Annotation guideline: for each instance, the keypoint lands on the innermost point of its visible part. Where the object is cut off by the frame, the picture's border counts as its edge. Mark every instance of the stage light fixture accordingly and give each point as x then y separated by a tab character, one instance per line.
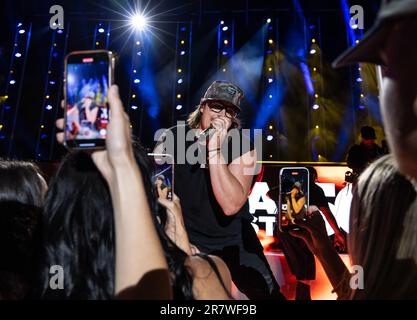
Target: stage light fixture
48	107
60	31
359	79
178	96
134	108
101	30
22	31
222	22
270	127
270	96
314	69
355	26
18	55
269	69
312	51
269	137
136	81
226	42
270	80
317	127
182	53
180	81
316	106
316	96
268	20
139	21
225	28
179	107
137	43
179	70
12	81
271	41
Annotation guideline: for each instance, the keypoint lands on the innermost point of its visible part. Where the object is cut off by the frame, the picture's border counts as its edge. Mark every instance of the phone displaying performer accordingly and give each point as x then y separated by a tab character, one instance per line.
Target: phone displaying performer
293	197
88	76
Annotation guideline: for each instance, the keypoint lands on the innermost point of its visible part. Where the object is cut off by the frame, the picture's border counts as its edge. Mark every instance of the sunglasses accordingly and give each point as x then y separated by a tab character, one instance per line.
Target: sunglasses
218	107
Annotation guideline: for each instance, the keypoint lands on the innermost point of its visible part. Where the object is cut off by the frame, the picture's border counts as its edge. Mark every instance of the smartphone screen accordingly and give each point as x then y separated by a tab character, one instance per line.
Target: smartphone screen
294	185
87	79
162	175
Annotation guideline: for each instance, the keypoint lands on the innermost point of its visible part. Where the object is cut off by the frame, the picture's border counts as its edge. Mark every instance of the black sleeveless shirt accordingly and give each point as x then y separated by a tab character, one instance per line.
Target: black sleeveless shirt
206	224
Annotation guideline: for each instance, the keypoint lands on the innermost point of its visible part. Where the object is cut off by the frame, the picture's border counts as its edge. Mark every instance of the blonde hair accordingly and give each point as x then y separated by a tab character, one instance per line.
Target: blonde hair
194	118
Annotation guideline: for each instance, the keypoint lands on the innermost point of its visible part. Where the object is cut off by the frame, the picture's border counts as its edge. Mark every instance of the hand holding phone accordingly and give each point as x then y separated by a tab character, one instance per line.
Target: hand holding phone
88	77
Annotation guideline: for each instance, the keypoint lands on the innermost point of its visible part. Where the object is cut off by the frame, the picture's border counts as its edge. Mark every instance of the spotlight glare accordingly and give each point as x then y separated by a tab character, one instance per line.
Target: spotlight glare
224	70
313	40
269	137
137	43
225	28
136	81
268	20
22	31
222	22
12	81
179	81
359	79
271	41
139	22
226	42
18	55
270	96
19	24
355	26
182	53
317	127
270	80
101	30
60	31
134	107
270	127
361	107
179	107
48	107
316	106
178	96
316	95
312	51
179	70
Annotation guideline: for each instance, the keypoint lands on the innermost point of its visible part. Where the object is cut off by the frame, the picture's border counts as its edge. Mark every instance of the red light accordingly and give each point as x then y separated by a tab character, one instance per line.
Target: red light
87	60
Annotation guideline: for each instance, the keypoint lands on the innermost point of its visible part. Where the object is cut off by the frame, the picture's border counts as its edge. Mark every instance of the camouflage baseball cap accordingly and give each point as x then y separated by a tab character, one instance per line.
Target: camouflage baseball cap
224	91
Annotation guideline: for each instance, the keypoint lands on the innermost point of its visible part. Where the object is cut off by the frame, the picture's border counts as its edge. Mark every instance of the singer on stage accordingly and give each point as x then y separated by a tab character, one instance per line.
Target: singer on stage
214	192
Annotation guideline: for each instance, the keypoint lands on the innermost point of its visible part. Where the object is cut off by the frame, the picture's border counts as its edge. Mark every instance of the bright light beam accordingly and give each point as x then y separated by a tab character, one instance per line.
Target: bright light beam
139	22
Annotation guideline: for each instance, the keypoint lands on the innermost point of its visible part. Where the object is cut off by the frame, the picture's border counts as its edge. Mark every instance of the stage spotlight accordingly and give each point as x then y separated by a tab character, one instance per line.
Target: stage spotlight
362	95
134	107
316	106
270	96
226	42
48	107
139	22
22	31
101	30
357	41
270	80
179	81
60	31
136	81
225	28
312	51
355	26
179	107
18	55
314	69
269	137
178	96
271	41
222	22
182	53
179	70
19	24
359	79
137	43
361	107
12	81
224	70
316	95
269	69
182	41
268	20
271	127
317	127
224	53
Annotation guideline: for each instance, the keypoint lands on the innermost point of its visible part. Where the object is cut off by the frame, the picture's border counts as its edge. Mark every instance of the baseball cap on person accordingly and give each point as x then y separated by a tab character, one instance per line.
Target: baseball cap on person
368	49
224	91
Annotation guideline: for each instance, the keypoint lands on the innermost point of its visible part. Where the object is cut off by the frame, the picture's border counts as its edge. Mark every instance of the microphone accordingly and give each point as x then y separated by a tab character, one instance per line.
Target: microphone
206	133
